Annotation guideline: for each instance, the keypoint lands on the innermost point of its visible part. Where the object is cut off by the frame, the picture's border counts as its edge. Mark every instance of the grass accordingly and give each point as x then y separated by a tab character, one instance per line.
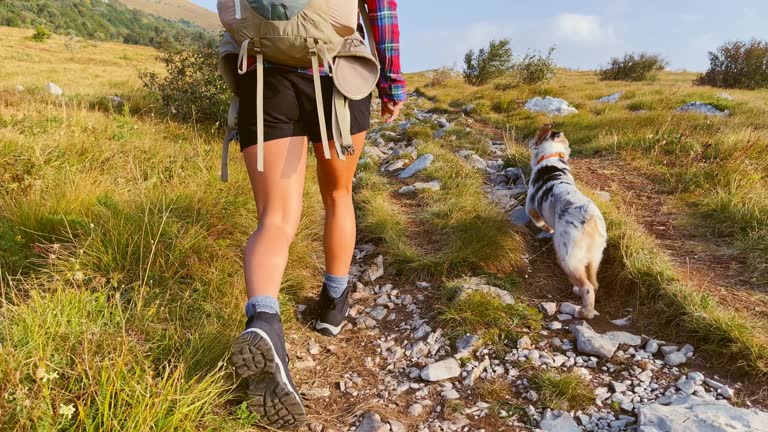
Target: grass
443	233
482	314
716	166
562	390
120	268
636	261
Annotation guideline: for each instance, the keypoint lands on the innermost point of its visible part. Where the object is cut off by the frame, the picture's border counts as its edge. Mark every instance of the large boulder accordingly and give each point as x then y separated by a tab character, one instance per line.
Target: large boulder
691	414
591	342
550	105
442	370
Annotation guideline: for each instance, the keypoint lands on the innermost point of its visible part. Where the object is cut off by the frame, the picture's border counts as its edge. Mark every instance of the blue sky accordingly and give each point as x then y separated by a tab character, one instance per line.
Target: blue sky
586	32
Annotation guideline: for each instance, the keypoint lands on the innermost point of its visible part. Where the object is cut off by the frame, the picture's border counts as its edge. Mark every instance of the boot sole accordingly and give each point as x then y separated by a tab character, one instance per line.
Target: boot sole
270	395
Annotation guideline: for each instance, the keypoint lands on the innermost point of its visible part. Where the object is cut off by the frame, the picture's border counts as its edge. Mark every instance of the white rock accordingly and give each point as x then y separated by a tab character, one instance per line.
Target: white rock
555	325
548	308
687	350
19	88
442	370
466	344
570	309
396	426
703	108
418	165
433	185
405	190
685	385
675	359
699	416
524	343
726	391
652	346
590	342
450	394
725	96
558	421
669	349
371	423
550	105
623	322
624	338
376	270
612	98
618	387
478	284
54	89
415	410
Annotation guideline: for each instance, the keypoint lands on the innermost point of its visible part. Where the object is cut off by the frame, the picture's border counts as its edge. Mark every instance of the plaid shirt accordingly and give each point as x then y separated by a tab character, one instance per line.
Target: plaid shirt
386	33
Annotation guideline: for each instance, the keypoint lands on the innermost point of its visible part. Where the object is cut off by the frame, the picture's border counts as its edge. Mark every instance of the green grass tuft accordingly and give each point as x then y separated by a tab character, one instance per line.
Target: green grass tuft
559	390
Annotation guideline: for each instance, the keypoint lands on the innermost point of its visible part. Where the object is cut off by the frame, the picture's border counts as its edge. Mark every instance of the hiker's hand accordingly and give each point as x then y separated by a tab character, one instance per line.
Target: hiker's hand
391	110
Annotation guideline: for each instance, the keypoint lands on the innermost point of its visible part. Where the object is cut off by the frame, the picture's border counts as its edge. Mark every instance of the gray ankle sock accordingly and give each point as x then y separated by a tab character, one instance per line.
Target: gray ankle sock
336	284
262	304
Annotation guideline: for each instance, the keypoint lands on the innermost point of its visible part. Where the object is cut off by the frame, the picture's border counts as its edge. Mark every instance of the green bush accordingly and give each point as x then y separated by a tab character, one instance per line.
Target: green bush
42	34
633	67
488	63
192	88
536	68
738	64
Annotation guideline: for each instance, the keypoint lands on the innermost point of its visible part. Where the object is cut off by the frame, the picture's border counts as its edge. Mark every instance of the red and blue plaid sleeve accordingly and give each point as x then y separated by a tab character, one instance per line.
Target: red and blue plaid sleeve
386	34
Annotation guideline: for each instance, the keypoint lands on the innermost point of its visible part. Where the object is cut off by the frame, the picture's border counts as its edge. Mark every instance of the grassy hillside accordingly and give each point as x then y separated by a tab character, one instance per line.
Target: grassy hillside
178	10
120	273
103	21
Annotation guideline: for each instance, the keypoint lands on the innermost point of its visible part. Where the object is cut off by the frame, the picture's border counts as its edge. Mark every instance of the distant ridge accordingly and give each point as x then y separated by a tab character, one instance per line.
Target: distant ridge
178	10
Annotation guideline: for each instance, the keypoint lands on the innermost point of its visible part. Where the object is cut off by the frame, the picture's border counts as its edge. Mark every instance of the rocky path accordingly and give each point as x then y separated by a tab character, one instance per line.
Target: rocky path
394	369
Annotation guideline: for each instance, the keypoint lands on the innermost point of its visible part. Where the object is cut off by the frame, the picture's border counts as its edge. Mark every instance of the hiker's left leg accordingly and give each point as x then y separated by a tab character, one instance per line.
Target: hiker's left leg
335	180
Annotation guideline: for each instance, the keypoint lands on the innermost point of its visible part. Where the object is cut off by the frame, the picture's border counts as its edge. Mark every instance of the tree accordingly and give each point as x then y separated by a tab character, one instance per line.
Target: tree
488	63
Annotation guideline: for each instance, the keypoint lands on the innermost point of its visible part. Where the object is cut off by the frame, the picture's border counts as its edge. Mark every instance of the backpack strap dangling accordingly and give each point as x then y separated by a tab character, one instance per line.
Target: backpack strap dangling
313	53
259	105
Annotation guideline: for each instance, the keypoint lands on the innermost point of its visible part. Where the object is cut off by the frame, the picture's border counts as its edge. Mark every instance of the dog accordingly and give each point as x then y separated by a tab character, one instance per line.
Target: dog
556	205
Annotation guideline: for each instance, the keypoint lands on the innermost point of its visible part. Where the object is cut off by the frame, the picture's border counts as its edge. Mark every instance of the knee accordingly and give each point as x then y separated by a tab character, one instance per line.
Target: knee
341	195
282	228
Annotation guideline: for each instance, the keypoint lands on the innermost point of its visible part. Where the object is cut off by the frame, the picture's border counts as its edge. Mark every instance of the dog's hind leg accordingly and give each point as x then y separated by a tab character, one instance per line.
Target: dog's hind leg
584	288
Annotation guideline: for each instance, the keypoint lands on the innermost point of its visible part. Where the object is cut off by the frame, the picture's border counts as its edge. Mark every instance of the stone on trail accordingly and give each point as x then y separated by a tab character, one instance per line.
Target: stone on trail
405	190
558	421
519	216
652	346
570	309
624	338
622	322
589	341
469	109
478	284
433	185
703	108
418	165
55	90
548	308
691	414
612	98
376	270
396	426
550	105
675	358
442	370
466	344
372	423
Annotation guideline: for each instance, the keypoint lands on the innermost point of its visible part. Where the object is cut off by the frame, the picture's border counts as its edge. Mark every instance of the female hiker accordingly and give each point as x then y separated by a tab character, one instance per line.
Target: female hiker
290	119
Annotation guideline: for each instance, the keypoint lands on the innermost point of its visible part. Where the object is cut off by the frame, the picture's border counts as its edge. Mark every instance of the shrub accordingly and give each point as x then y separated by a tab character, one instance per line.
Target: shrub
633	67
738	64
42	34
192	88
488	63
441	76
535	68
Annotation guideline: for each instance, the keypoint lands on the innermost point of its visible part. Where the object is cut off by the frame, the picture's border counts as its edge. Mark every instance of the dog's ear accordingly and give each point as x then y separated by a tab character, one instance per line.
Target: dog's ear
543	134
559	137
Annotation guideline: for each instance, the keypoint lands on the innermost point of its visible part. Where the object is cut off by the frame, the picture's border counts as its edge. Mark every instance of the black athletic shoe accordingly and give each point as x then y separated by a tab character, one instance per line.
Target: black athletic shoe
333	312
259	355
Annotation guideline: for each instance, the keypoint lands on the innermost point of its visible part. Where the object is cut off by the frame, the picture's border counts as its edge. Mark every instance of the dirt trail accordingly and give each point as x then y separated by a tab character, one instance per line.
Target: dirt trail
704	261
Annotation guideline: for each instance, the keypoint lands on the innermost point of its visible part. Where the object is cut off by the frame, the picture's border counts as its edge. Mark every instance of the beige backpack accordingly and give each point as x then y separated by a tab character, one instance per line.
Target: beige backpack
300	33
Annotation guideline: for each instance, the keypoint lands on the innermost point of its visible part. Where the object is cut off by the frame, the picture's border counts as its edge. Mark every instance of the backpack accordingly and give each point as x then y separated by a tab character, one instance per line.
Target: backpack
300	33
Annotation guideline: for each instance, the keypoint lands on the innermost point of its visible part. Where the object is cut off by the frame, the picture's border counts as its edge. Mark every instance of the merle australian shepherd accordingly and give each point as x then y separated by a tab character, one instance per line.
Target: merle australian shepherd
556	206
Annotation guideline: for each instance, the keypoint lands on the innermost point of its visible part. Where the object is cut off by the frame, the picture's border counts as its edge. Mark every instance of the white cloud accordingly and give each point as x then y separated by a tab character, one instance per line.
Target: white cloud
583	28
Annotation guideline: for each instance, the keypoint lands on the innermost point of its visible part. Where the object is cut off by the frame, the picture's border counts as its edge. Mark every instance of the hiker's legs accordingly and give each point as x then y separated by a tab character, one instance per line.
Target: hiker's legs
335	179
278	192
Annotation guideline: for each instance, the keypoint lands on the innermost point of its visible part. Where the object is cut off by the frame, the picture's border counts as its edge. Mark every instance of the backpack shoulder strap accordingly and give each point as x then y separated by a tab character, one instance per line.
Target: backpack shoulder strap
368	28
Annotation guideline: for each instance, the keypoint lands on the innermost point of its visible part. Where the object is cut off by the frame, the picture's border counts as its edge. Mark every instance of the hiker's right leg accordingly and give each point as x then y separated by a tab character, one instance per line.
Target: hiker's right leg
278	191
259	353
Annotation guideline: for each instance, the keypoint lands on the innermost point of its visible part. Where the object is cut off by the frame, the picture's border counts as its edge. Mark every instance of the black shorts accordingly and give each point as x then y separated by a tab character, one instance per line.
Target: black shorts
290	109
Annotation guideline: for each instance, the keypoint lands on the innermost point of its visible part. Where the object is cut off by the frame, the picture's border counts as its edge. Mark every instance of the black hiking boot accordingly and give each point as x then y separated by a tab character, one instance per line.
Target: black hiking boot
333	312
259	355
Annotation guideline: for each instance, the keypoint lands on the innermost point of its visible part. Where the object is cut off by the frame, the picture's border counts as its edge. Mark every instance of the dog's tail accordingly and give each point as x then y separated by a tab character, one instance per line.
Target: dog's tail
595	234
